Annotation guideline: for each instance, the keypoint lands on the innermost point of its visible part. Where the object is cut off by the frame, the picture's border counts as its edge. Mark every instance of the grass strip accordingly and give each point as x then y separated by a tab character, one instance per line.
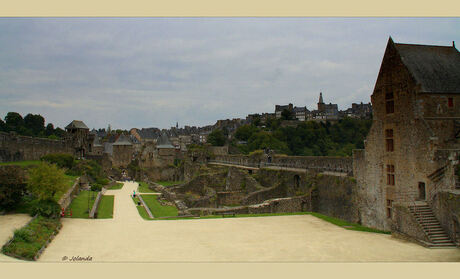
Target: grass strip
144	188
20	163
79	205
28	240
169	183
347	225
117	186
157	209
105	210
141	209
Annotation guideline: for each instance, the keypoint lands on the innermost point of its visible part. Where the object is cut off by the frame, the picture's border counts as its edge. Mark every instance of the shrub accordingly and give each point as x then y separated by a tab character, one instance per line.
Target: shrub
47	208
61	160
96	187
102	181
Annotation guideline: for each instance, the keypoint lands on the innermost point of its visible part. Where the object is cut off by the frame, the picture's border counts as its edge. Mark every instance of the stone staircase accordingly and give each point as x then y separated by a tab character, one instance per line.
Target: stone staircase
431	226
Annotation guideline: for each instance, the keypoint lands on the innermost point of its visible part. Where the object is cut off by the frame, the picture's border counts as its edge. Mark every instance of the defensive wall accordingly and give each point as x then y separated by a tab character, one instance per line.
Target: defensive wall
19	148
318	163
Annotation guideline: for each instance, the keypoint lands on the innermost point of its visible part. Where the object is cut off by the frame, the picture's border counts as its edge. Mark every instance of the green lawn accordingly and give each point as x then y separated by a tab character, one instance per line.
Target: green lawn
157	209
346	225
79	205
20	163
105	210
144	188
117	186
169	183
141	209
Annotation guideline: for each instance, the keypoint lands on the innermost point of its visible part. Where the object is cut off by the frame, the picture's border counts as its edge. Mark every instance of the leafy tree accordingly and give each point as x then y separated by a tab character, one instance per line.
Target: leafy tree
245	132
287	114
14	121
60	159
60	133
12	186
35	123
2	126
46	180
49	130
216	138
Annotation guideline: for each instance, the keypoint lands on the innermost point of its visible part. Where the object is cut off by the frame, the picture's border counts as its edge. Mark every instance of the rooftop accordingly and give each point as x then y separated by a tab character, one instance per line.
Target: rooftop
435	68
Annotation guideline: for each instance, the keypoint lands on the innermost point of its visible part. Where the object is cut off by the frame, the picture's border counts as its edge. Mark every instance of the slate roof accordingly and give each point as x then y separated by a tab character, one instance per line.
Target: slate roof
123	140
163	142
77	124
435	68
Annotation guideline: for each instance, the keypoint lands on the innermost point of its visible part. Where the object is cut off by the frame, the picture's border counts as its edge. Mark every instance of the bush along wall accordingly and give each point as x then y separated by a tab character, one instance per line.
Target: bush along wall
31	240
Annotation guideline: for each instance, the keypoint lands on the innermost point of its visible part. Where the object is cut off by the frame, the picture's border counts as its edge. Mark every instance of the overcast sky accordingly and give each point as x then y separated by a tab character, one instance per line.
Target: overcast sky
152	72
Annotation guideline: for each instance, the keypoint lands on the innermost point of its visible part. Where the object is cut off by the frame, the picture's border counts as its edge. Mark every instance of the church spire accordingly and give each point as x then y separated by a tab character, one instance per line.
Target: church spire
321	98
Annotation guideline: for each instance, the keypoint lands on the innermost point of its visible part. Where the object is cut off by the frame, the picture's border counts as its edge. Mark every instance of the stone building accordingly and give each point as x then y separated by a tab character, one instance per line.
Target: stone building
279	109
412	148
325	111
122	152
81	138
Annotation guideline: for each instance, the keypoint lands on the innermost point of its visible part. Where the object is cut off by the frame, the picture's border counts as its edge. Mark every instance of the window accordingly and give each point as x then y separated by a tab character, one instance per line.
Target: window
389	208
390	175
390	104
389	140
450	102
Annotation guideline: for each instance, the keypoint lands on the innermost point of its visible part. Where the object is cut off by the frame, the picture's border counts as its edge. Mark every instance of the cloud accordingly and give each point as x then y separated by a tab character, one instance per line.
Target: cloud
144	72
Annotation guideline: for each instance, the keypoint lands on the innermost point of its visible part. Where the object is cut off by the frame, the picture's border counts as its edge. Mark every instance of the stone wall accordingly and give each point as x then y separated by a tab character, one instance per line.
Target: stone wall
446	207
336	196
20	148
67	198
403	222
319	163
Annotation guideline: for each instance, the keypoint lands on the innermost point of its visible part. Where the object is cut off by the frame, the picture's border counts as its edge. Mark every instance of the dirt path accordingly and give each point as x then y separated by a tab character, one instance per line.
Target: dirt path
129	238
8	224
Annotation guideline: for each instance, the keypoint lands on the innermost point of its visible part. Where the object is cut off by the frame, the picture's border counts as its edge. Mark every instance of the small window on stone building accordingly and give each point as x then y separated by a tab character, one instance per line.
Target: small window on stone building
389	140
450	102
390	104
389	212
390	175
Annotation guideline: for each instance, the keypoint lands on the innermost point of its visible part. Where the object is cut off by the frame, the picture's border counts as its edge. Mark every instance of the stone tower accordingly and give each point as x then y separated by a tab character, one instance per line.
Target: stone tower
321	105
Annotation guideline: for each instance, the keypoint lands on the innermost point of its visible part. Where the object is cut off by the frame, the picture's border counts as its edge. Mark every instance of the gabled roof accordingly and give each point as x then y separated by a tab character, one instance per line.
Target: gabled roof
163	142
435	68
77	124
123	140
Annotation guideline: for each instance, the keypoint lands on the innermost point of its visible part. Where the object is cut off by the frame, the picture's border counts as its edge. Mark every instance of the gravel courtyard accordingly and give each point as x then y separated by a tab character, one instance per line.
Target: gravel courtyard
300	238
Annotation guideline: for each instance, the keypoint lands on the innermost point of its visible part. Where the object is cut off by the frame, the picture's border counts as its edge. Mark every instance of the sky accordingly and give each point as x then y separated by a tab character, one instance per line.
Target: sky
154	72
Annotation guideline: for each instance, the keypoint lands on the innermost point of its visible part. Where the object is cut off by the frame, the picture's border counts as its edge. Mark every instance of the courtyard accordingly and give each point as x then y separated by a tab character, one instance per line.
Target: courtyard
299	238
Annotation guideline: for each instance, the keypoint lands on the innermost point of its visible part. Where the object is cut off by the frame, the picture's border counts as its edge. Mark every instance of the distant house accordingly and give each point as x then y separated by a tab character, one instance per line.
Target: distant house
301	113
280	108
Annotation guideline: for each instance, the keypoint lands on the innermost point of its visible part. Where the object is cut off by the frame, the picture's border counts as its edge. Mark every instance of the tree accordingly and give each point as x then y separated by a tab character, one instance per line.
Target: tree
287	114
35	123
216	138
60	133
49	130
14	121
2	126
245	132
12	186
45	181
